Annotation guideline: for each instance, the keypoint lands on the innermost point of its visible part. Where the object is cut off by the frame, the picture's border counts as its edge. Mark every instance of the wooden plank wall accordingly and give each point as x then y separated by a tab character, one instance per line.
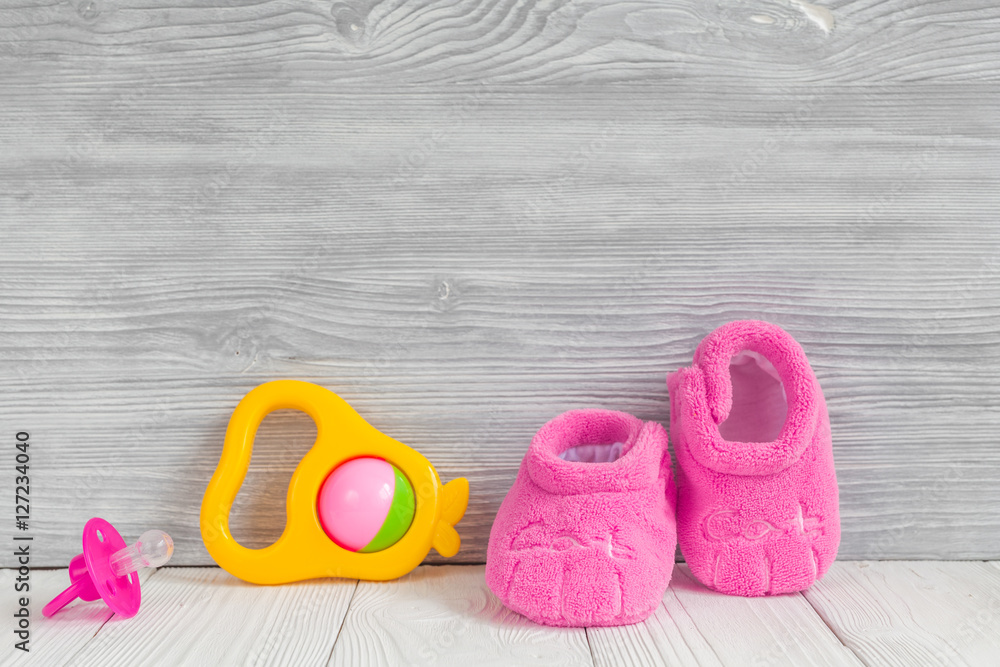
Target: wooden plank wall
466	217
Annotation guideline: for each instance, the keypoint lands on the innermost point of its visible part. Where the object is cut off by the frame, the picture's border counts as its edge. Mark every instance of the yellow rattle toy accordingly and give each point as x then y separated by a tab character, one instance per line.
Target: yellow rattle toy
360	504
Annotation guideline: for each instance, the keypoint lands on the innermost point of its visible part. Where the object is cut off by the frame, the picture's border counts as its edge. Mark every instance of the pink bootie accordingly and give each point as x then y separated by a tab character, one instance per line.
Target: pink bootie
757	506
586	536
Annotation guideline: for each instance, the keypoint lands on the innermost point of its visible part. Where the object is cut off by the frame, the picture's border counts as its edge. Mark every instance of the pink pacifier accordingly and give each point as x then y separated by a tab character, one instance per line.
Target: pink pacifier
107	568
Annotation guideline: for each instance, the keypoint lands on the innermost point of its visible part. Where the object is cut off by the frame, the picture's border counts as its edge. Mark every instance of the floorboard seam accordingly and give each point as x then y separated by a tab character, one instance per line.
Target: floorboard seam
656	645
677	625
833	630
347	611
80	650
695	624
593	660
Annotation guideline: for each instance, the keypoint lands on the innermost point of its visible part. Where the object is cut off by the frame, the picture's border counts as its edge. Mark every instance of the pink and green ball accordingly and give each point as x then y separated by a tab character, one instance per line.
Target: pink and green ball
366	504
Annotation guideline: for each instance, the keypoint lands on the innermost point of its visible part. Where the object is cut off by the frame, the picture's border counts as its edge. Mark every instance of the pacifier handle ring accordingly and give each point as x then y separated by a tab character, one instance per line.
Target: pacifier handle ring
61	600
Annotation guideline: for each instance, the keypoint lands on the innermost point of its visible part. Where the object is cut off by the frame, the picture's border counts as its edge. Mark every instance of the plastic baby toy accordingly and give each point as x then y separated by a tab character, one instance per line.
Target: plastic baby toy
106	568
359	505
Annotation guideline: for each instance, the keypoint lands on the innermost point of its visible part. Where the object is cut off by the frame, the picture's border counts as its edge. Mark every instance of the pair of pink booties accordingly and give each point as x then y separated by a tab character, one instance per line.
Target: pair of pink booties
588	532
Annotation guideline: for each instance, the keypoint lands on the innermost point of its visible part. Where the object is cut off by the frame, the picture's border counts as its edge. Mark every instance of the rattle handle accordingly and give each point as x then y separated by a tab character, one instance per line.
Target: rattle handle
316	402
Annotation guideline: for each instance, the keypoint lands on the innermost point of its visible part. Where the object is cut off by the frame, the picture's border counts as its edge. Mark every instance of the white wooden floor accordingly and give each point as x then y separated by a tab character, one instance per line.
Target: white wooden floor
862	613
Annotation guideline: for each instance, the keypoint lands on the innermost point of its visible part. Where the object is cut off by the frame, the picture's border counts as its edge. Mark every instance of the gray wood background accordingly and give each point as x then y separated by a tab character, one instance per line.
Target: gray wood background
466	217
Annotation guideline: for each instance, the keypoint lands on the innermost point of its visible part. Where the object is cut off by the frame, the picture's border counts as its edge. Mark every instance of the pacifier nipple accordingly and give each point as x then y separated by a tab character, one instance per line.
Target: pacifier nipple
153	549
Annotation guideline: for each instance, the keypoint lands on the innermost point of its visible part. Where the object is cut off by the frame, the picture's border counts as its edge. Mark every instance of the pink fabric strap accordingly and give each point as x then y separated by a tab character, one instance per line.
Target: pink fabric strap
711	367
771	342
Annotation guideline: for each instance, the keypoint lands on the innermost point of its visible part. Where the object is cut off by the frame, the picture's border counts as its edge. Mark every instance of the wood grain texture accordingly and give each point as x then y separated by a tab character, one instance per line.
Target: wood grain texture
55	641
202	616
366	42
447	615
475	216
696	626
913	613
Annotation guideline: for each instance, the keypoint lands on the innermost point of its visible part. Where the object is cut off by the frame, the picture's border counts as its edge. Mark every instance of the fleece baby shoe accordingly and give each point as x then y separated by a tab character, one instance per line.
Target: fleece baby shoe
757	495
586	536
